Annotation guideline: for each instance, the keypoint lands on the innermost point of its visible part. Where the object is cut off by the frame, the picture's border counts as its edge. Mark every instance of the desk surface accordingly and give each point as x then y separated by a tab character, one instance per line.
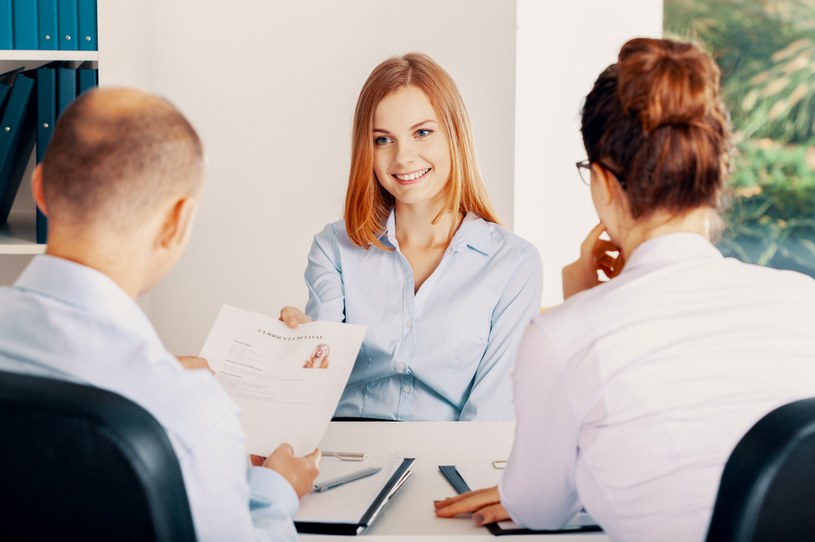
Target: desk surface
410	515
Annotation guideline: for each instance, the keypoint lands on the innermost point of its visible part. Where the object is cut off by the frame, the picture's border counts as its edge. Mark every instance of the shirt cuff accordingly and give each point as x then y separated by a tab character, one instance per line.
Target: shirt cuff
268	487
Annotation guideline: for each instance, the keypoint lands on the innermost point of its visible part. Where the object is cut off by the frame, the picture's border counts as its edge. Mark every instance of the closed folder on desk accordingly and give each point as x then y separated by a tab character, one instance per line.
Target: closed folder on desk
6	25
48	32
67	22
16	140
25	24
351	508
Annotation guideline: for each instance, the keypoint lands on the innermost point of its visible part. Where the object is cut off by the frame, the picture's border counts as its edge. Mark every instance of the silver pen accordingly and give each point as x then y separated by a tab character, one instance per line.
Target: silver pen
347	478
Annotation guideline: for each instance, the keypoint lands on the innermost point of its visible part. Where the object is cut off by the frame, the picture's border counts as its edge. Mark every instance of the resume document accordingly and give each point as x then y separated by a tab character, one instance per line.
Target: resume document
287	382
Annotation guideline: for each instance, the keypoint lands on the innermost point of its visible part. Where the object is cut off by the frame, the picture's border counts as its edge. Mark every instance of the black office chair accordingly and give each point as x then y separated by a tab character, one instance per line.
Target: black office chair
81	463
767	491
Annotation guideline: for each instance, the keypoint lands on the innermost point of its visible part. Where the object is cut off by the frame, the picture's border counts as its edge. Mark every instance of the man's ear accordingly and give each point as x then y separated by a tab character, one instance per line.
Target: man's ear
177	221
37	189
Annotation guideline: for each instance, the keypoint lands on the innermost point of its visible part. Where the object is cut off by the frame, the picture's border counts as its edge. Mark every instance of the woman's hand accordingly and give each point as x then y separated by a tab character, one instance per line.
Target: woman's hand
194	362
293	317
484	503
595	255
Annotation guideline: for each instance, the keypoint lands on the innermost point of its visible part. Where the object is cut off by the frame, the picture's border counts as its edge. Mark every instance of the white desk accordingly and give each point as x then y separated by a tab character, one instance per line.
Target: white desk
410	515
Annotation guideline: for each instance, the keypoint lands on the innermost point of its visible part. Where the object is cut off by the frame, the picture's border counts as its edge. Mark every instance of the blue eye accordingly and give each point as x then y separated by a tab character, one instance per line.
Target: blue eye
423	132
381	140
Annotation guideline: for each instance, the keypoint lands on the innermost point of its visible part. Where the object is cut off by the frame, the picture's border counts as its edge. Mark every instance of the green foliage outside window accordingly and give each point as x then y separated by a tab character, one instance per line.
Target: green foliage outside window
766	52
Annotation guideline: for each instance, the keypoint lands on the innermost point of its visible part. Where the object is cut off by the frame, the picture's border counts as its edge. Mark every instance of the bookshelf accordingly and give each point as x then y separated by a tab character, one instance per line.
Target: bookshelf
121	60
18	236
14	55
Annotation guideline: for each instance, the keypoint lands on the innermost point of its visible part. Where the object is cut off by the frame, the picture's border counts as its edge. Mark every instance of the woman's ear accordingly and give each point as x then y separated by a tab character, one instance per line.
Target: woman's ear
601	186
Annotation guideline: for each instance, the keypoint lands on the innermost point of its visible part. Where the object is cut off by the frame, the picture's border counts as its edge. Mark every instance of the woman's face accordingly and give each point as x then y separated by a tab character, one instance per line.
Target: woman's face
411	154
319	353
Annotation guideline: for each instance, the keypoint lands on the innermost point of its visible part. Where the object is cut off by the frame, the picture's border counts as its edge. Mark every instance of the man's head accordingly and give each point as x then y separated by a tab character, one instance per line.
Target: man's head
123	167
115	155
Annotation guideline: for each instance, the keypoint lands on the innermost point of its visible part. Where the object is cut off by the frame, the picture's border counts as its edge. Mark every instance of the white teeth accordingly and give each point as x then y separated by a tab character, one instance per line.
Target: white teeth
411	176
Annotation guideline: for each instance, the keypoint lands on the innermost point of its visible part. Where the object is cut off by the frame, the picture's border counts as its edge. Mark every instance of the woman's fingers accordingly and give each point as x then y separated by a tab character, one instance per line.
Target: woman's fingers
293	317
491	514
467	502
591	239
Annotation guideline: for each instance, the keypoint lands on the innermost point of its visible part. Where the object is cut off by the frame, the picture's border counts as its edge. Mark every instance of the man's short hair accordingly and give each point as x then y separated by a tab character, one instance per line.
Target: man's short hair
115	155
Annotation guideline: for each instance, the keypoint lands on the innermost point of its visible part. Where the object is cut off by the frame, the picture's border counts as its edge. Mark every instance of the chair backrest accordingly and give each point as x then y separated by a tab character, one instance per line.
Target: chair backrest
767	491
82	463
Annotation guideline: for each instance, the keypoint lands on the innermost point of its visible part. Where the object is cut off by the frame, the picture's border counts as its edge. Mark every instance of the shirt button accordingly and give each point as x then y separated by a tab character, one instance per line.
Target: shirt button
402	367
406	389
409	324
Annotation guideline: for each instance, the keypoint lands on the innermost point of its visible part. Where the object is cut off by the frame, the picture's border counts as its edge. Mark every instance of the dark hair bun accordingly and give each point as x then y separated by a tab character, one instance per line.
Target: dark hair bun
656	115
664	82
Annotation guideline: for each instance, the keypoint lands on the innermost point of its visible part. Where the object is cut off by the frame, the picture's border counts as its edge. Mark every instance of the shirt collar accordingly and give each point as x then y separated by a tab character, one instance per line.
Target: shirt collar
88	289
474	232
672	247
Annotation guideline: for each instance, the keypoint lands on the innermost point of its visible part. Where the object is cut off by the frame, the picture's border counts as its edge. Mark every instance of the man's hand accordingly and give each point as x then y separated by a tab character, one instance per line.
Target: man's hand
595	255
194	362
300	472
485	504
293	317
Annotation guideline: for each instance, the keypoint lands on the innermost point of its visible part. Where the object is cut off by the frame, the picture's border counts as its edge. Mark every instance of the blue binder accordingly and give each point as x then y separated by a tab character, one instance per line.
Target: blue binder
48	35
17	136
66	86
68	25
6	82
25	24
6	25
87	25
46	77
87	77
4	90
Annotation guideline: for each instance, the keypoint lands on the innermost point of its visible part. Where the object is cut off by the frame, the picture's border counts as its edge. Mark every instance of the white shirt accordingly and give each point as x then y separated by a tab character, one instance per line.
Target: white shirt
445	352
631	396
65	320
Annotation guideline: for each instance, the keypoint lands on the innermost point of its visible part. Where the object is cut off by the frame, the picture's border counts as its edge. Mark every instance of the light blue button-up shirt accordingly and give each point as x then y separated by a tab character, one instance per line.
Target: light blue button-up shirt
445	353
65	320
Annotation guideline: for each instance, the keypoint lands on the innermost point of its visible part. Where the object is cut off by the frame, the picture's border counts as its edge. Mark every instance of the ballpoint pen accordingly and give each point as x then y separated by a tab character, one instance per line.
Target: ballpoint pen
346	478
346	456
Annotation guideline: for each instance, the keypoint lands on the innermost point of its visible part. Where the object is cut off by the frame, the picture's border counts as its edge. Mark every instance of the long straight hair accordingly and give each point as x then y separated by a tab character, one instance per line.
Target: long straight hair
367	203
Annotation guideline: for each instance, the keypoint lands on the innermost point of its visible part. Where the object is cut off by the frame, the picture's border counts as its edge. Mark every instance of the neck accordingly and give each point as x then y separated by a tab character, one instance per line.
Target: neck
113	257
415	227
661	223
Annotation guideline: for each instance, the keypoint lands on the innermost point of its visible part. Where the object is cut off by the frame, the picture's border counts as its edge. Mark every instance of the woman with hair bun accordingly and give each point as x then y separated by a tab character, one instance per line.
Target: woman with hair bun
421	260
631	395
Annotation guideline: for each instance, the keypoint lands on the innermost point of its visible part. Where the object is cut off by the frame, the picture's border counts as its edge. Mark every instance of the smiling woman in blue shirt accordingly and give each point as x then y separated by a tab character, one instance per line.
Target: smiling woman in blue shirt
421	260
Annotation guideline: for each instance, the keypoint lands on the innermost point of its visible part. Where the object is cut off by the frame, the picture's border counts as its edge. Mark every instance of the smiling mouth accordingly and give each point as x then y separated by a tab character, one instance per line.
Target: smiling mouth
411	177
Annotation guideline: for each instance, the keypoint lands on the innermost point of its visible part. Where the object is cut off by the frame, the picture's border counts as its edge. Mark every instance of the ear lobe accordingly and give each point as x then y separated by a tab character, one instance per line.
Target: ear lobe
37	189
177	222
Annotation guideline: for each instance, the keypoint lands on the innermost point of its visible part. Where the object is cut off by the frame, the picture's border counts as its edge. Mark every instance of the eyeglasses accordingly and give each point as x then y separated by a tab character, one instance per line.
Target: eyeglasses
584	169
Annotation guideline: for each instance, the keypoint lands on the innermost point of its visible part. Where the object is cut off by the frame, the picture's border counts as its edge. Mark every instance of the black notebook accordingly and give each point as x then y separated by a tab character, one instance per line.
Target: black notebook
353	507
581	523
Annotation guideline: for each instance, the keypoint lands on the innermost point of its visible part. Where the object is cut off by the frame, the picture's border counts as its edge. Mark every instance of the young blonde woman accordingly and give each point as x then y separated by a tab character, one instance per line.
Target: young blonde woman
421	260
631	395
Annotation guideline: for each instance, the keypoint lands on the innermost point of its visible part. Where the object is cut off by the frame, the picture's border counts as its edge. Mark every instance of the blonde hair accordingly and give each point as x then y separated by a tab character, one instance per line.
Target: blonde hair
367	203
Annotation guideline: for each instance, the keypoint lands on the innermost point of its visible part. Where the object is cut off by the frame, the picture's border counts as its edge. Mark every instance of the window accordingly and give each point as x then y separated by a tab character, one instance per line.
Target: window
766	52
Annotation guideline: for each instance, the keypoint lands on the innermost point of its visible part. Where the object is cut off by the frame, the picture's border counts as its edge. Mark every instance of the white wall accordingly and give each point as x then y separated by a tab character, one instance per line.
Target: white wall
271	86
562	47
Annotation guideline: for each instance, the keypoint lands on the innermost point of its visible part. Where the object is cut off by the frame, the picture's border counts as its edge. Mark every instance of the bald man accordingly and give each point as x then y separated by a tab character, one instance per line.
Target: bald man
120	183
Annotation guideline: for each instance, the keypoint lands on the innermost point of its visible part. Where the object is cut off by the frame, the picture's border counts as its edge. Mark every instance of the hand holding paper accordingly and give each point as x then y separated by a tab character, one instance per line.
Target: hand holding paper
286	381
